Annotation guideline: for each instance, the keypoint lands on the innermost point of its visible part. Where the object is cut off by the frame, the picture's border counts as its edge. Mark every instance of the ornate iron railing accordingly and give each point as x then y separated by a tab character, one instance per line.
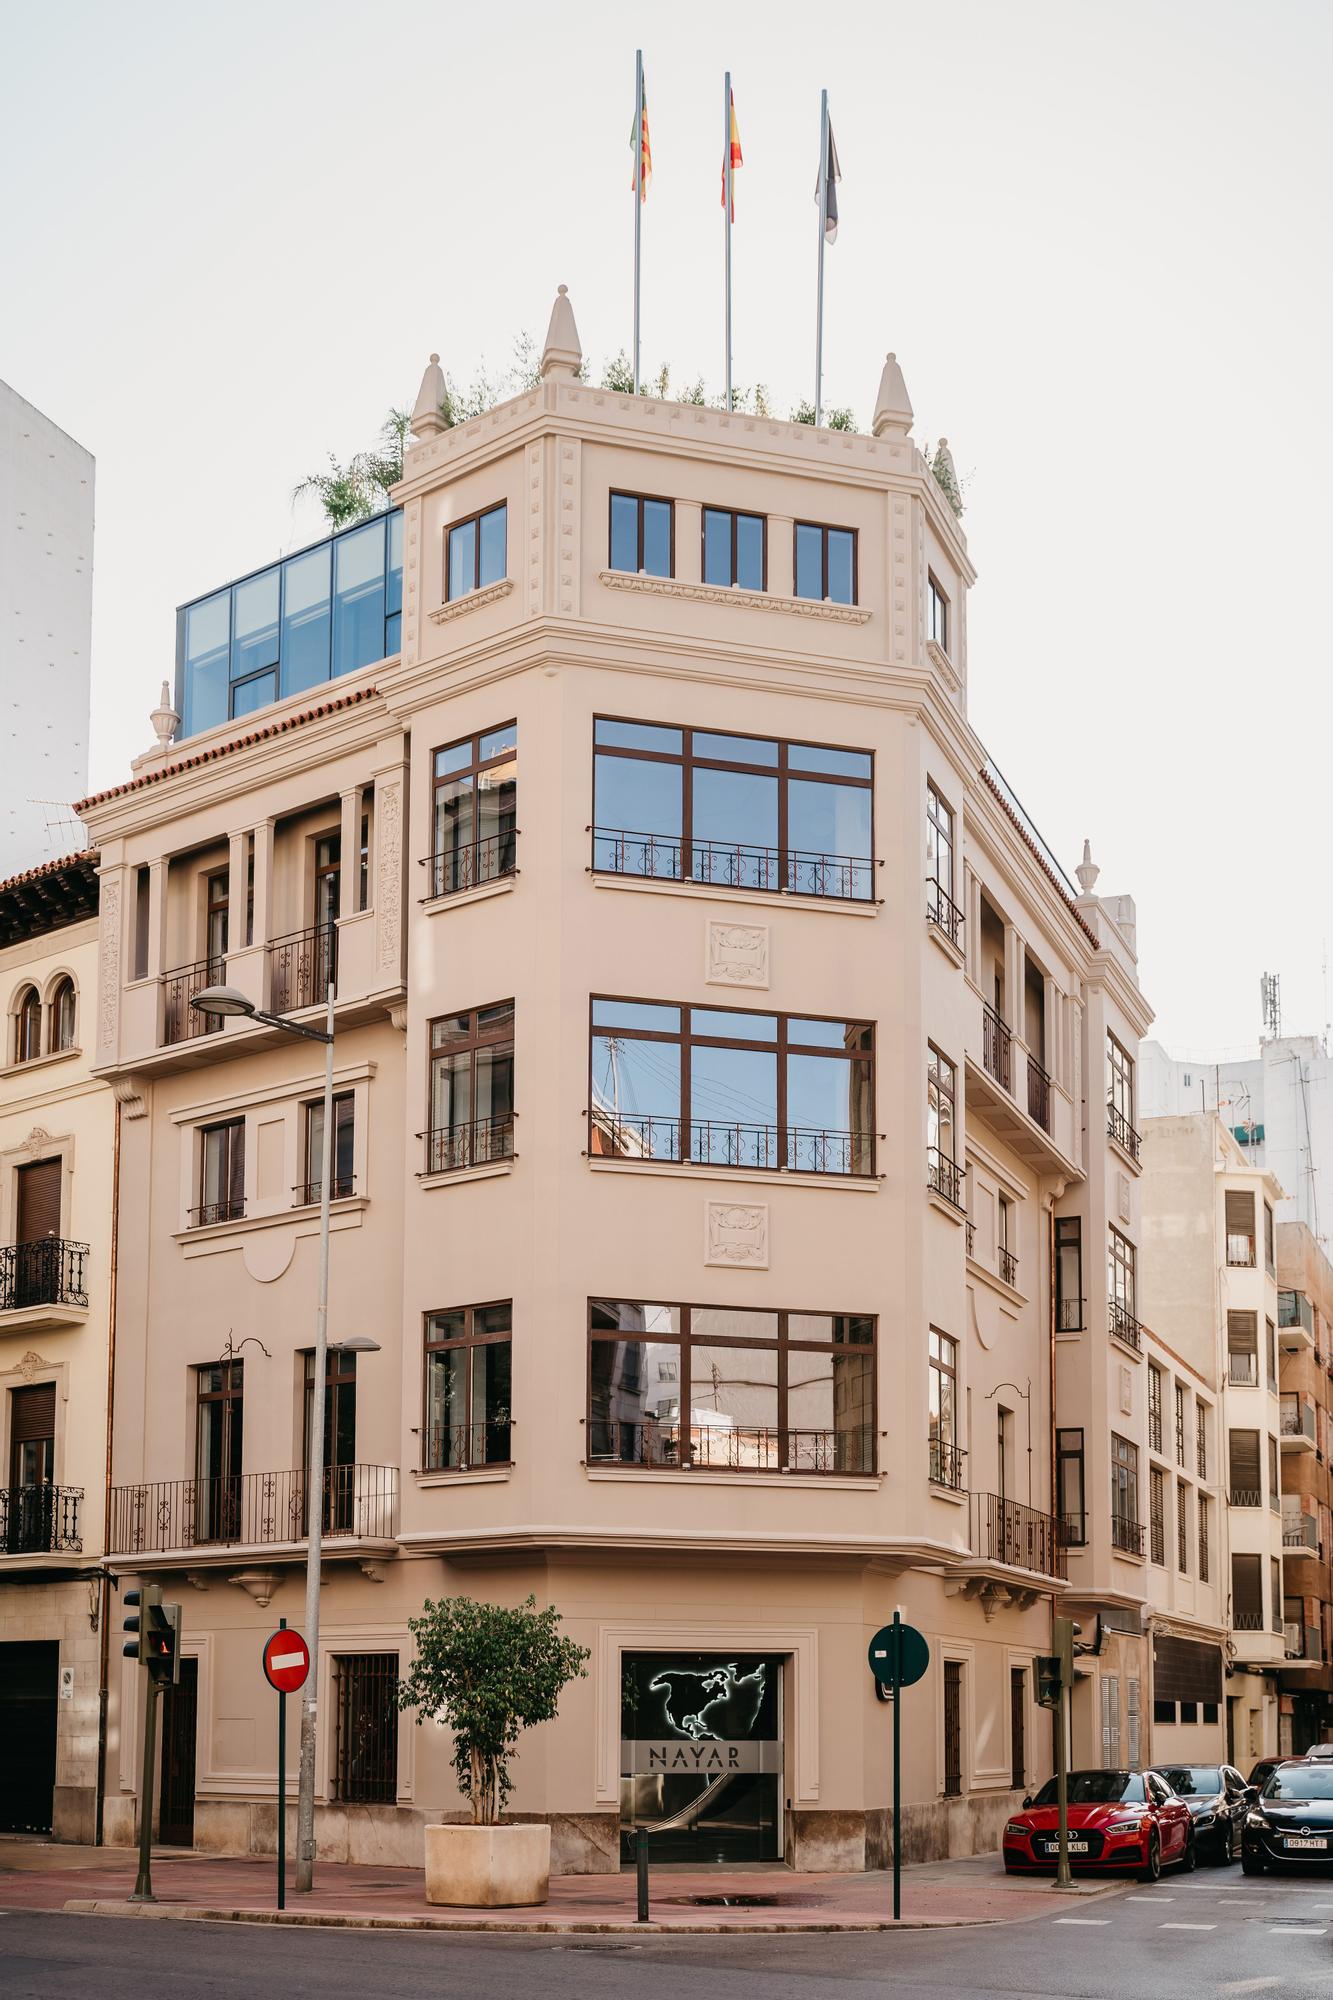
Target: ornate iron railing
944	913
723	1447
946	1463
458	869
733	864
714	1142
1008	1266
341	1186
1119	1128
251	1508
1005	1531
1069	1315
944	1176
40	1520
1125	1327
454	1147
1247	1621
1073	1531
301	968
1039	1094
180	1021
459	1447
49	1272
996	1043
230	1209
1126	1535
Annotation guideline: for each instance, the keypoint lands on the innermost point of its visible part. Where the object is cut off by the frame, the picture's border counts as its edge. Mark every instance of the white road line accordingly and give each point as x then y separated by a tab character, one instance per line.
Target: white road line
1080	1920
1150	1899
1239	1902
1265	1984
1187	1927
1298	1930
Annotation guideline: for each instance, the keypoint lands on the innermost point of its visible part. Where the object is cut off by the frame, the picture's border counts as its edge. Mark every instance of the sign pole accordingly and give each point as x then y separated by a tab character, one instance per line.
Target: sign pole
143	1886
897	1685
282	1790
1062	1878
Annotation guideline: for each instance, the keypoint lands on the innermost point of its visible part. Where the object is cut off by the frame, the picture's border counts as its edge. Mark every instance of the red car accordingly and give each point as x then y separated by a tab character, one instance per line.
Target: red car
1122	1820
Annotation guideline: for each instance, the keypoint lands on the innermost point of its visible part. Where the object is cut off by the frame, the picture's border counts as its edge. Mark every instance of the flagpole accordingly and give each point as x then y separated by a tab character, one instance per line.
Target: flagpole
823	224
726	203
638	200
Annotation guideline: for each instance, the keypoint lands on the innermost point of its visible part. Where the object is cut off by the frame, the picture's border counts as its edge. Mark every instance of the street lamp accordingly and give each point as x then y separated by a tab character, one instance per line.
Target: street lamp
230	1001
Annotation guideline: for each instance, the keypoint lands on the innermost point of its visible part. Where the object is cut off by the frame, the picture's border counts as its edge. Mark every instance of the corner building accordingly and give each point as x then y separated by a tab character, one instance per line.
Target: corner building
713	1060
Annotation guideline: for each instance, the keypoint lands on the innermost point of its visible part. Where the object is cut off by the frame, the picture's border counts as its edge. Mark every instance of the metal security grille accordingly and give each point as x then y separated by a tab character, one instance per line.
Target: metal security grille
953	1728
365	1696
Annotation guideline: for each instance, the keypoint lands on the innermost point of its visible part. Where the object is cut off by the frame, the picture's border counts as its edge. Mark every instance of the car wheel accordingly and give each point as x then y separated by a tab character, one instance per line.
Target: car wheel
1189	1859
1251	1864
1152	1868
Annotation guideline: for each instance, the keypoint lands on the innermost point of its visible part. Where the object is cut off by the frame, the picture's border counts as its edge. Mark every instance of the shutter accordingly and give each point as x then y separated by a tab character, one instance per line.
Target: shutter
1242	1332
39	1201
1240	1216
1185	1670
32	1413
1132	1722
1110	1721
1247	1587
1245	1478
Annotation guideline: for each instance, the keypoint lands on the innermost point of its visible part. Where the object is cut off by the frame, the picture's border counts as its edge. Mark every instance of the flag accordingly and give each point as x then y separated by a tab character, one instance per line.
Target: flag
830	173
641	147
734	143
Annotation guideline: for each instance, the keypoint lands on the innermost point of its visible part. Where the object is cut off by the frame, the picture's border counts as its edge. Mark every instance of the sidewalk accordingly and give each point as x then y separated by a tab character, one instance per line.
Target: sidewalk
96	1881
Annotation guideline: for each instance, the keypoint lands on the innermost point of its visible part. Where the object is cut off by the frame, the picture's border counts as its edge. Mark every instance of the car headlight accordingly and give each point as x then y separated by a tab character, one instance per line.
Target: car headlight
1255	1819
1016	1827
1204	1818
1130	1825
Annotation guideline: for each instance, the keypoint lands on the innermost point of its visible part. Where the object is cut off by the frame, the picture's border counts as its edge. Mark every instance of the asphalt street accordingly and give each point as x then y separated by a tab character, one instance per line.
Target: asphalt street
1213	1933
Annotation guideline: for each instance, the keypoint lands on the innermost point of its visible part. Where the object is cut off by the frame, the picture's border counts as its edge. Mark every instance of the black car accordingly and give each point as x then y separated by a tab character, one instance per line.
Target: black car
1265	1768
1291	1821
1218	1798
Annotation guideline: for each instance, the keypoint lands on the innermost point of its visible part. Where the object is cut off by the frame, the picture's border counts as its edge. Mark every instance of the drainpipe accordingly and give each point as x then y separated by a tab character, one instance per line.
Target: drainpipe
103	1671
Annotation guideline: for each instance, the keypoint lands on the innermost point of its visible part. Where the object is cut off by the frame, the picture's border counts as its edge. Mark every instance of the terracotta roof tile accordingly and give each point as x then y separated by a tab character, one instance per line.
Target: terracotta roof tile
45	898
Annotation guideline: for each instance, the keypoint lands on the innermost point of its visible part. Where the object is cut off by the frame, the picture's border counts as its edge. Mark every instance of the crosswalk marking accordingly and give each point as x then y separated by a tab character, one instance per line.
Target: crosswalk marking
1082	1920
1187	1927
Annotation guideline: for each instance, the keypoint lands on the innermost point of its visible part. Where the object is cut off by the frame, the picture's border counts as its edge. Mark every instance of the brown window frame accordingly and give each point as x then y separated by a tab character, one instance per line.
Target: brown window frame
946	1453
1069	1308
469	521
937	598
209	1212
1157	1515
499	1143
352	1675
28	1027
1154	1407
734	514
1203	1538
341	1186
217	903
469	1458
472	874
1182	1528
825	529
943	1174
658	499
1231	1200
1073	1527
64	990
781	1047
1180	1422
683	1454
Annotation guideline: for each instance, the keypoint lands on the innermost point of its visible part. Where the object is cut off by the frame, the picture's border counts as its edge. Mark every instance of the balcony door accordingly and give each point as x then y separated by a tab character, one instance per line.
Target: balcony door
218	1439
339	1437
32	1455
37	1212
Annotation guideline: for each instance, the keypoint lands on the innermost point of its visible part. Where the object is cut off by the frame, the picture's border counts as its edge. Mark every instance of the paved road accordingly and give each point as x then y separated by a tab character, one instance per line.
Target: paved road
1215	1934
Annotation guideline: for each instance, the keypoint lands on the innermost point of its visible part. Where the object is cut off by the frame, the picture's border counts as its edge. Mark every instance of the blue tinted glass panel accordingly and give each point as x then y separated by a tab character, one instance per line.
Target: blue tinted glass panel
809	561
732	1025
497	741
750	551
624	532
657	537
822	1093
637	817
840	546
358	612
734	1086
717	546
254	625
454	757
636	1014
247	696
462	559
207	629
393	595
735	749
492	528
828	819
638	1085
306	620
735	806
841	763
393	635
638	736
818	1034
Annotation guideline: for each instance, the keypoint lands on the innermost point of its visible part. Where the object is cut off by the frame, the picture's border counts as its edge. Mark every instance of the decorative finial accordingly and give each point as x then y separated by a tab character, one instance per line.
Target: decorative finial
427	420
164	718
562	354
893	405
1087	870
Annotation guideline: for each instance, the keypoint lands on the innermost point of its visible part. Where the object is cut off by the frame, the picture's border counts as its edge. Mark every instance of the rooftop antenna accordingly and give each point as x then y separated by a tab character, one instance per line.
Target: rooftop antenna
1270	1004
64	833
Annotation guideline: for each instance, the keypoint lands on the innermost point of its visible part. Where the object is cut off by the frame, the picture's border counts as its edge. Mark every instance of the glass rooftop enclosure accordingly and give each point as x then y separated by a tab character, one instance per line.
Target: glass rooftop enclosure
329	610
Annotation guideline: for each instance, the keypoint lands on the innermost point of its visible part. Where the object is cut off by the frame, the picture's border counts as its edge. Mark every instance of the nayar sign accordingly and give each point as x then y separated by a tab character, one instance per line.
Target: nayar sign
704	1757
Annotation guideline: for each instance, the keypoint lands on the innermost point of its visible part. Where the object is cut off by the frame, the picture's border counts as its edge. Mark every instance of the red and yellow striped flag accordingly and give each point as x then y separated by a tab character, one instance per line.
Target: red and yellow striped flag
734	143
643	156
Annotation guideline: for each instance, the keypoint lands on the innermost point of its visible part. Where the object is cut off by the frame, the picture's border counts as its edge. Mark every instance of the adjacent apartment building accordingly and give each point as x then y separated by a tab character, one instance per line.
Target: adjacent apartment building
1305	1363
723	1162
57	1167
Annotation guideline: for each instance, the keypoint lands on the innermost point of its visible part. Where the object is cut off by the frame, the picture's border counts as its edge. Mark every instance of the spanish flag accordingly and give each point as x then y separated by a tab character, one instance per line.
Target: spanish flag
734	144
641	146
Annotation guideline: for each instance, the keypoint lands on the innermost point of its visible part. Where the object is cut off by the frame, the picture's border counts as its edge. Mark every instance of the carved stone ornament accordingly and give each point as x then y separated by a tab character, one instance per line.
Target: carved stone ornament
736	1234
37	1141
1123	1196
131	1094
736	954
389	888
108	997
30	1363
258	1583
1126	1393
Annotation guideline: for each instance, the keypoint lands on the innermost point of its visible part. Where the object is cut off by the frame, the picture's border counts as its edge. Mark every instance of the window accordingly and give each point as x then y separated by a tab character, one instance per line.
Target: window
1180	1423
475	552
944	1174
1154	1407
1133	1716
468	1387
825	563
343	1178
730	1390
1018	1716
1201	1438
142	907
1270	1251
937	613
1274	1487
1240	1227
953	1729
946	1457
365	1704
941	907
28	1026
219	1413
1270	1341
723	1088
474	816
1182	1527
736	812
62	1016
471	1089
1203	1539
1164	1711
1243	1349
1120	1096
1120	1271
362	849
221	1174
1275	1593
1126	1531
734	549
1156	1514
1006	1235
643	535
1110	1698
217	907
1069	1499
1243	1459
344	1496
358	598
1069	1273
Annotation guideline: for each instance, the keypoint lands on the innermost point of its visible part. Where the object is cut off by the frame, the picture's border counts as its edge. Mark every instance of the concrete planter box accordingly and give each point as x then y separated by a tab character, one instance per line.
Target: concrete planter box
491	1867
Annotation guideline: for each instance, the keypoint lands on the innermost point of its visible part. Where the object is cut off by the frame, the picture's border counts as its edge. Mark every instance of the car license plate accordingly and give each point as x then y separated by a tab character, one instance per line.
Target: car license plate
1302	1840
1075	1847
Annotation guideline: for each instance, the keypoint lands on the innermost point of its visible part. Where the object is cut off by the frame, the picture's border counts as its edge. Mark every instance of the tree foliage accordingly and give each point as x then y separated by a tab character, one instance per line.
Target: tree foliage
352	492
488	1672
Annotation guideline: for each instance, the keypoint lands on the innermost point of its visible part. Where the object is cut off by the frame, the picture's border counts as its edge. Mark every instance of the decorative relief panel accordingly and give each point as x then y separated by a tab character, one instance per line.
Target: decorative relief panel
108	999
389	889
1126	1393
1122	1196
736	1234
736	954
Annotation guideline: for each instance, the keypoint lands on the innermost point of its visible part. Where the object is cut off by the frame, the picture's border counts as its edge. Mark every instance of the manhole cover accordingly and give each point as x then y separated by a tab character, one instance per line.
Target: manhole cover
757	1902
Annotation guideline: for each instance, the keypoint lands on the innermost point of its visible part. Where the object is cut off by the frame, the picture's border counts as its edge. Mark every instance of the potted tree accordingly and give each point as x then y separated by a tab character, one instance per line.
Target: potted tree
488	1672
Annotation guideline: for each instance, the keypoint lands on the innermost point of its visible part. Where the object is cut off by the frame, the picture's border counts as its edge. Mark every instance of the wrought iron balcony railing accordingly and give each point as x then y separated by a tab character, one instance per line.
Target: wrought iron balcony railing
946	1464
341	1186
180	1021
1125	1327
454	1147
732	864
460	1447
49	1272
1073	1530
1247	1621
252	1509
1039	1094
714	1142
1005	1531
1008	1263
1119	1128
1069	1315
996	1043
231	1208
944	1176
723	1447
944	913
1126	1535
301	968
40	1520
458	869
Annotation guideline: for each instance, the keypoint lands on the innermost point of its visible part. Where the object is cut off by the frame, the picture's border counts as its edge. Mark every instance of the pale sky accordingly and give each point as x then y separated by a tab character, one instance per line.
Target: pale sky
1096	236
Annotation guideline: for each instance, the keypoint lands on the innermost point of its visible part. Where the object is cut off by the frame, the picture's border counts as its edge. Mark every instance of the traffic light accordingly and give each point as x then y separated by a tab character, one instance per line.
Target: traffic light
158	1629
148	1599
1064	1631
1049	1679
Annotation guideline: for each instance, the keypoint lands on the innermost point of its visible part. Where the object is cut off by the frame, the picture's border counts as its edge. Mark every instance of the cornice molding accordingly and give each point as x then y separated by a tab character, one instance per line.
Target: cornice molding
457	607
715	593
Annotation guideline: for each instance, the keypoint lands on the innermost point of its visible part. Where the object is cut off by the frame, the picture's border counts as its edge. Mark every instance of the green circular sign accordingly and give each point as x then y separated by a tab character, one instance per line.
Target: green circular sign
898	1654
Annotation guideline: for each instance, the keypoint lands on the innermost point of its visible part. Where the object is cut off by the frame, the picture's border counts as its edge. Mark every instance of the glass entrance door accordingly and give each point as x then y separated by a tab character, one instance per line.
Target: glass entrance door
701	1756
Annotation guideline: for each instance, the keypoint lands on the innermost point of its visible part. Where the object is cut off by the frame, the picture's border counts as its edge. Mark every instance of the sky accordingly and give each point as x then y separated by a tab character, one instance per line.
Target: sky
1096	237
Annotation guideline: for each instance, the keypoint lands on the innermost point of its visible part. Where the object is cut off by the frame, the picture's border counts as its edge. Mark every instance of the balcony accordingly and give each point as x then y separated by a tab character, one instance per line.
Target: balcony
996	1046
723	1447
180	1021
1126	1535
946	1464
45	1281
1069	1315
1039	1094
1008	1265
1009	1091
1073	1531
944	914
40	1520
301	968
944	1177
464	1447
1245	1496
1296	1426
231	1208
1003	1531
474	866
731	864
1300	1532
454	1148
1119	1128
710	1142
1301	1643
1124	1325
1295	1323
260	1510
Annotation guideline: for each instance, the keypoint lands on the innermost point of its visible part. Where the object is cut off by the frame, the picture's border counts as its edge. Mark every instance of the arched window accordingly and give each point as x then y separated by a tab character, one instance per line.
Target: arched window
28	1026
62	1016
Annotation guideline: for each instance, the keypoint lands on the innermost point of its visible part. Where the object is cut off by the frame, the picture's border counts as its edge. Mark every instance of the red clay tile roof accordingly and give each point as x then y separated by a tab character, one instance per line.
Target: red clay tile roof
210	756
1042	862
45	898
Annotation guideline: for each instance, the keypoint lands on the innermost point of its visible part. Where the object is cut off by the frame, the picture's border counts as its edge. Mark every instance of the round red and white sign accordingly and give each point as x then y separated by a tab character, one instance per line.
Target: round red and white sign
286	1661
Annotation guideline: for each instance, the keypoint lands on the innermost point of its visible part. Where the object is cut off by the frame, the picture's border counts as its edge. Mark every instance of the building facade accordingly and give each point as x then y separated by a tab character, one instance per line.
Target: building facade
57	1165
1305	1365
46	608
718	1052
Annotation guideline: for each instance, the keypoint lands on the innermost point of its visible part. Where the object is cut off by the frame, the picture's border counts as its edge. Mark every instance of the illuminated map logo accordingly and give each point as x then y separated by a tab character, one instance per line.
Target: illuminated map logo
720	1703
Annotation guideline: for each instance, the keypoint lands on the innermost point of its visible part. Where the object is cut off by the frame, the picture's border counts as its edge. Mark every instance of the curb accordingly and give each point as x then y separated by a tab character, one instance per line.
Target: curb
543	1927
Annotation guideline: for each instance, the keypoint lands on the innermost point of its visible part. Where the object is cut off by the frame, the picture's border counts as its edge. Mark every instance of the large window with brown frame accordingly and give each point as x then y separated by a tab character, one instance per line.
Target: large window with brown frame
28	1026
723	1388
941	904
825	563
221	1174
1120	1096
471	1088
735	549
475	552
735	812
642	536
1239	1206
1121	1268
946	1454
721	1087
943	1173
474	823
468	1387
219	1413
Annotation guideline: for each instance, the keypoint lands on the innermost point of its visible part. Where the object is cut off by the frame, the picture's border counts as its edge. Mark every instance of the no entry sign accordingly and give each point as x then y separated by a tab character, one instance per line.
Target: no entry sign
286	1661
